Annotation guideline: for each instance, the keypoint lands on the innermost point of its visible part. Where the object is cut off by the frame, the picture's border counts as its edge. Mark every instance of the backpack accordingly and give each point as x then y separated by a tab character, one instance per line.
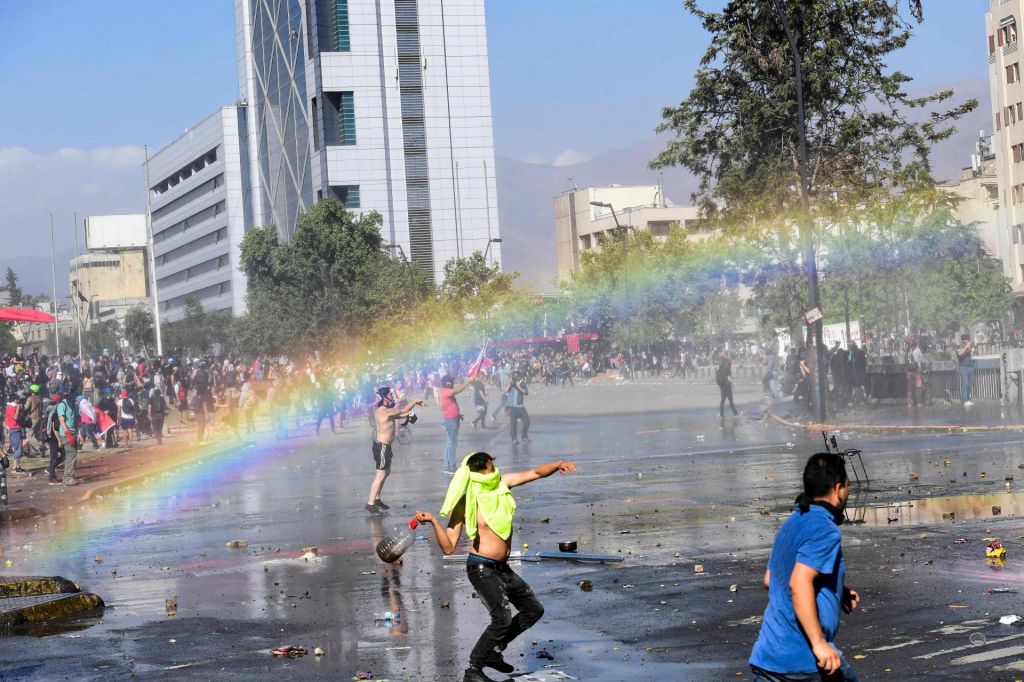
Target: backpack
45	428
202	381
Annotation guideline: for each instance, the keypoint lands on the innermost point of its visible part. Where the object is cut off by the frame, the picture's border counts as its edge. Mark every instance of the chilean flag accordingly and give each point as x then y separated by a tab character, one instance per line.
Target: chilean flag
482	362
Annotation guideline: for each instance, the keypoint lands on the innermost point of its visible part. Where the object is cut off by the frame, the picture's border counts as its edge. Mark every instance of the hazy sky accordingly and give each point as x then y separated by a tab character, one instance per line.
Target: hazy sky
87	82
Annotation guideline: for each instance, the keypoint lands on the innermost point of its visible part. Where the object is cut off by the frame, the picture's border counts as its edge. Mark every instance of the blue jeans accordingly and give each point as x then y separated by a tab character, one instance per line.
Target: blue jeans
451	426
966	379
16	436
844	674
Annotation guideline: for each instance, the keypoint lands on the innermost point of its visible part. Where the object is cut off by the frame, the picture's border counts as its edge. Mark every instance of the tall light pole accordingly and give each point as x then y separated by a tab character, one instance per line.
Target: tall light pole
53	275
152	261
601	204
492	240
819	377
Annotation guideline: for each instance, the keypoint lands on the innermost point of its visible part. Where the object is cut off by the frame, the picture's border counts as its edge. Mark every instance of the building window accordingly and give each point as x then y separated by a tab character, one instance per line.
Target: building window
1013	73
1008	34
316	125
991	44
585	241
339	119
348	195
342	38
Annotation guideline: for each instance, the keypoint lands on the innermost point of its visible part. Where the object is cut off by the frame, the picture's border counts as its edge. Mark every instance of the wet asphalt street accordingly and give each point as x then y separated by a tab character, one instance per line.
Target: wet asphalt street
662	482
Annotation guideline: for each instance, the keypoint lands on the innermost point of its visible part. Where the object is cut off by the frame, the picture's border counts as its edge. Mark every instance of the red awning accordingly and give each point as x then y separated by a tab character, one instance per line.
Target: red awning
25	315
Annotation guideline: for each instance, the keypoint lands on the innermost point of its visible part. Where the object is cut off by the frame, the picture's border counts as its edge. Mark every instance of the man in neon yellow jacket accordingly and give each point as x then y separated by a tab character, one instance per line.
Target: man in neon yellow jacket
479	499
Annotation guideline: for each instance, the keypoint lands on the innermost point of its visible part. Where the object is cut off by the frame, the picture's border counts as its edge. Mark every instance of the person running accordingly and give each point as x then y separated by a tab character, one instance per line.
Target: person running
14	416
384	417
805	583
479	498
452	417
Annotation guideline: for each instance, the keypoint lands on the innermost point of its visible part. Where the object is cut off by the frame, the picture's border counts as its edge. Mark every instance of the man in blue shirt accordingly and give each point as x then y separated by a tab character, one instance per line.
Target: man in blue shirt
805	584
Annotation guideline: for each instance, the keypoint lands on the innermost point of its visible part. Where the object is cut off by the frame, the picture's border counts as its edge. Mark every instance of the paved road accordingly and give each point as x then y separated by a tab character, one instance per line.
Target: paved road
662	481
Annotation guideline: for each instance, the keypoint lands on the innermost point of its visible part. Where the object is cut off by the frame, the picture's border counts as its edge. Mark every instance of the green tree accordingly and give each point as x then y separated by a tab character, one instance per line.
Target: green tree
11	284
8	343
736	129
331	281
138	328
99	337
198	331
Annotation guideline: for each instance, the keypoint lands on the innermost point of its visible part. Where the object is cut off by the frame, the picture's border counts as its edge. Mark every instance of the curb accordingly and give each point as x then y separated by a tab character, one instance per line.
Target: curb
889	428
34	609
35	585
11	514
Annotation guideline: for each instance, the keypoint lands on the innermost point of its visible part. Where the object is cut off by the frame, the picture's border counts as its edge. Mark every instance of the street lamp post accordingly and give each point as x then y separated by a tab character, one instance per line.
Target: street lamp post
601	204
492	240
819	378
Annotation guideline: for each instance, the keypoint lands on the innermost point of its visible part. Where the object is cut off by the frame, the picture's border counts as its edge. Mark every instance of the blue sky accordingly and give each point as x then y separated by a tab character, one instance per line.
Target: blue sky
584	75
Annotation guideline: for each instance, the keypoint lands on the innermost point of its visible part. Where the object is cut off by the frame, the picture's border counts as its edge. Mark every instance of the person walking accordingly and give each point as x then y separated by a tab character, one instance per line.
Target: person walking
14	415
88	418
479	499
384	417
480	402
517	392
452	417
157	413
806	585
965	365
502	377
67	432
723	377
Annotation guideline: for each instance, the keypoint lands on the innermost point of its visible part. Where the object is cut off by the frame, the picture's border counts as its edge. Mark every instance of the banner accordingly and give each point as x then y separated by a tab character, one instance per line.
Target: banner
830	334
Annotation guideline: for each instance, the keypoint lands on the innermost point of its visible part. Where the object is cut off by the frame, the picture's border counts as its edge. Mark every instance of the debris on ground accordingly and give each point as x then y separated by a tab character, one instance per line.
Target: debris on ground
545	654
1001	590
698	568
545	520
733	588
99	559
363	675
318	652
586	585
315	551
288	651
1011	619
236	544
960	541
995	550
996	511
948	516
445	605
171	605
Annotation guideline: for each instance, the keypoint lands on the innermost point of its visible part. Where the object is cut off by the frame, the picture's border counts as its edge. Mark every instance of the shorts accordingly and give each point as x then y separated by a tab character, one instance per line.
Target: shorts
127	423
382	455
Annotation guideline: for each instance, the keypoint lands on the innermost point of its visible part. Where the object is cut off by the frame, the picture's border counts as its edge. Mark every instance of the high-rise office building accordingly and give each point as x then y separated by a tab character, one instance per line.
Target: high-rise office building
1007	93
199	206
381	104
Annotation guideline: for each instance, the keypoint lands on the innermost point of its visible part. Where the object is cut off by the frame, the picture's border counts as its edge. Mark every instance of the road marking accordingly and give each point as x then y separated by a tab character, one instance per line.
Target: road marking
1016	666
896	646
943	652
989	655
962	628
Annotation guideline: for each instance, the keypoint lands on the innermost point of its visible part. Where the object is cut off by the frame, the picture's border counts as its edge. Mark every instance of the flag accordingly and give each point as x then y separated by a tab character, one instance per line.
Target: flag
482	362
104	422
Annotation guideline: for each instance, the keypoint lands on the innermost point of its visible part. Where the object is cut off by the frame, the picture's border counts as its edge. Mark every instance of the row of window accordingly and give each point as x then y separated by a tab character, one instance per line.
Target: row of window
203	294
1017	194
206	240
1013	72
185	275
1010	115
211	185
332	20
185	173
193	221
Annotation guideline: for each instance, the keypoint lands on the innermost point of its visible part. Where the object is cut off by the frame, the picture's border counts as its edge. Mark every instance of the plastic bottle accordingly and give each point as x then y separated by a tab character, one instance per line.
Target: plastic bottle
397	541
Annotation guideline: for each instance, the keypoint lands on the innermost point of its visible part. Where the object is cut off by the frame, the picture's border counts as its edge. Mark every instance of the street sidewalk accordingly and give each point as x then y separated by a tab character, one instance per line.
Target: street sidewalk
894	415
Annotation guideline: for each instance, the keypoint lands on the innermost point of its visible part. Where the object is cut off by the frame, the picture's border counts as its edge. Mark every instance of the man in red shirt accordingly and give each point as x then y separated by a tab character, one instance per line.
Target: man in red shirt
452	417
15	431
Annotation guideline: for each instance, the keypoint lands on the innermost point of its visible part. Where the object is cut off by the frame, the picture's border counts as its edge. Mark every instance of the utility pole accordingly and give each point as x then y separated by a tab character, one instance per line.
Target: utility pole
152	261
75	300
53	276
819	376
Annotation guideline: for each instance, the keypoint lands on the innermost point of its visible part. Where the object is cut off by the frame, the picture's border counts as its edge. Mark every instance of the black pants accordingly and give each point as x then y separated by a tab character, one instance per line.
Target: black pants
515	414
329	416
726	391
500	589
55	457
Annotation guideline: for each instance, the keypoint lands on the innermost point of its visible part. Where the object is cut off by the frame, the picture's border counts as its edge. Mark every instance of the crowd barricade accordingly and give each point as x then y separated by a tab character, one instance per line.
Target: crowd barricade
888	381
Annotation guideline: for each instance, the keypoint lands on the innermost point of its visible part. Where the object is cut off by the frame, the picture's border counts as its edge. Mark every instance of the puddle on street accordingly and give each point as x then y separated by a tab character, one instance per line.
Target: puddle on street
940	509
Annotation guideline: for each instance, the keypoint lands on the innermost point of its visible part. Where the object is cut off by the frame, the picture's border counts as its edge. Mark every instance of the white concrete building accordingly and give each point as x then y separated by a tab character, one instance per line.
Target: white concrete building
1007	92
582	215
382	105
199	208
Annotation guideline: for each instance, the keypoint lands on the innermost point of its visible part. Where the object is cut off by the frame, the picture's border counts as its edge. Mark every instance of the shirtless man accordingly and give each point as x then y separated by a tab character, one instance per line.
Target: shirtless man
384	417
479	484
